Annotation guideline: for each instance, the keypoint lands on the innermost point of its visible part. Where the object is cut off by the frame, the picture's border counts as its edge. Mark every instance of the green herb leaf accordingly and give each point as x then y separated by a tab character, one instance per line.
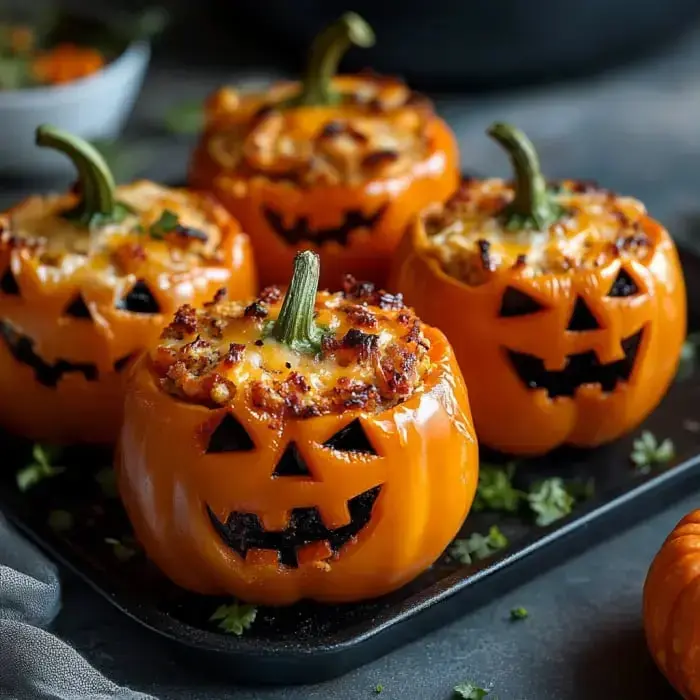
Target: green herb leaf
518	614
167	223
478	546
550	500
122	551
60	520
495	491
378	688
107	481
469	691
234	618
647	452
41	468
185	118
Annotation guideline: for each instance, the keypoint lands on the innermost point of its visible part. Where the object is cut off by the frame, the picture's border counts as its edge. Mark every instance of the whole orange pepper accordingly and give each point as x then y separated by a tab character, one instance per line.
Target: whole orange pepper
320	447
335	164
565	305
88	280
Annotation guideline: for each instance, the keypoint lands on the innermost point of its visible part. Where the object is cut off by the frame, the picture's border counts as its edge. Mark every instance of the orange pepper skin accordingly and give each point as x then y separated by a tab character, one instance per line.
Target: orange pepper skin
671	596
510	416
427	470
367	252
78	409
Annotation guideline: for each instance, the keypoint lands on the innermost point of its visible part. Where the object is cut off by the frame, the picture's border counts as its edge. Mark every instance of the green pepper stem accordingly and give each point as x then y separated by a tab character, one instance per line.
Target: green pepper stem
295	325
97	188
533	205
326	52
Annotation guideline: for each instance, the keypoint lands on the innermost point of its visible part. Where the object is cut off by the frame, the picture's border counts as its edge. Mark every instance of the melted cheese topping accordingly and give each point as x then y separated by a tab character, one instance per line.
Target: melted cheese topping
378	131
39	228
468	237
373	355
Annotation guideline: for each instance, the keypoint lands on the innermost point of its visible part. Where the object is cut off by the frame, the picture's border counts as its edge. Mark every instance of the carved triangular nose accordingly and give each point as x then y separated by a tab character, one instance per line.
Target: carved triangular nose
291	463
582	319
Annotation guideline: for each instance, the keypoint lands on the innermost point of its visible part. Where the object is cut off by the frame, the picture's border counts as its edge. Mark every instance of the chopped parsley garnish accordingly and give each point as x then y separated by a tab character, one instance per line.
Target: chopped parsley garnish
378	688
495	490
469	691
550	501
107	481
234	618
122	551
648	452
478	546
166	223
60	520
41	468
518	613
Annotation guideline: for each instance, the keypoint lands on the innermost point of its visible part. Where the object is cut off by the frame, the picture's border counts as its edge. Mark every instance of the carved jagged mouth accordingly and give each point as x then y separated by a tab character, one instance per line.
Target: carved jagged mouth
22	349
244	531
582	368
49	374
301	231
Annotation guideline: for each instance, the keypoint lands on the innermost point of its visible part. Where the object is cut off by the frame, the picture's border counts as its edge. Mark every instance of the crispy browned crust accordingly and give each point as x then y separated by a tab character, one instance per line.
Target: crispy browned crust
376	355
471	242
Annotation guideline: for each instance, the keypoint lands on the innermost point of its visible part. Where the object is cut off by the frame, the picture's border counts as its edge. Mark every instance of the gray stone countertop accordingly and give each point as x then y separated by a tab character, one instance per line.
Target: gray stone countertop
635	130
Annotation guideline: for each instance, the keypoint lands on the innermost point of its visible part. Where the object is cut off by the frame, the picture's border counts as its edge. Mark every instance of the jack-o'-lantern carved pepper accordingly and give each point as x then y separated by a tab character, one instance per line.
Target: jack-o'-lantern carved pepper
566	306
88	280
338	165
317	448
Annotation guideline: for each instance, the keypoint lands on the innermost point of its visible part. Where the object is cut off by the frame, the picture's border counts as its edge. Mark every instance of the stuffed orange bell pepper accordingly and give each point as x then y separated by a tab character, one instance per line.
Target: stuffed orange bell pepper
565	305
88	279
319	446
336	164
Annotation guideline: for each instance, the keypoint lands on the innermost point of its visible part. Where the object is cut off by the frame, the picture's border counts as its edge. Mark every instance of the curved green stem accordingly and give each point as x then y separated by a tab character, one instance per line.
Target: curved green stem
533	205
98	204
326	52
295	325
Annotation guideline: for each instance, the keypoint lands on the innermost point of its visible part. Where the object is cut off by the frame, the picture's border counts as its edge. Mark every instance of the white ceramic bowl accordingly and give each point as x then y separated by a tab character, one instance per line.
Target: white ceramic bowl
95	107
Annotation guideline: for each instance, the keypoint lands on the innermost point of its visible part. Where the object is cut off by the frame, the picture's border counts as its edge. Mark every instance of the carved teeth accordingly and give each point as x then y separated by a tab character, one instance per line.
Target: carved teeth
582	369
244	531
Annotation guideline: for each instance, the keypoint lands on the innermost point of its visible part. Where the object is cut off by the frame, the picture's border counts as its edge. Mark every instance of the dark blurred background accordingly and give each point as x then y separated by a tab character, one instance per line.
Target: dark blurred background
608	89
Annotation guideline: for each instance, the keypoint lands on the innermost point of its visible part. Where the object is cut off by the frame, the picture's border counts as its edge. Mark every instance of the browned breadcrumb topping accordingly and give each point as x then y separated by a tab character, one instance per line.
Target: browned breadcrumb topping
468	237
379	131
167	230
373	355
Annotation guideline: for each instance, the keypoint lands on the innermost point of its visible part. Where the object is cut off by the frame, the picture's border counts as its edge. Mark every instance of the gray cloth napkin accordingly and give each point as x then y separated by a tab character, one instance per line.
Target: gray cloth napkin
34	664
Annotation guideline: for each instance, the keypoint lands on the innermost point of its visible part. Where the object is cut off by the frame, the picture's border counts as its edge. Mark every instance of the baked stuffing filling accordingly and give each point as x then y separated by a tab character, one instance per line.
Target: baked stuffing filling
170	230
372	354
469	239
379	130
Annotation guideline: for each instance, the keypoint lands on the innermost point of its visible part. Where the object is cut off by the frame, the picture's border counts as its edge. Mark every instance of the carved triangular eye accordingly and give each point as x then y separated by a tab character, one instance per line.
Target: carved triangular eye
582	318
352	438
229	436
517	303
139	300
77	308
291	463
8	283
624	285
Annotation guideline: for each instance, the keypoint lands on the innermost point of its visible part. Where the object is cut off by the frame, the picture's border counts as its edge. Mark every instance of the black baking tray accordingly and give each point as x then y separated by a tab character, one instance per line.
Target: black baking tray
310	642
